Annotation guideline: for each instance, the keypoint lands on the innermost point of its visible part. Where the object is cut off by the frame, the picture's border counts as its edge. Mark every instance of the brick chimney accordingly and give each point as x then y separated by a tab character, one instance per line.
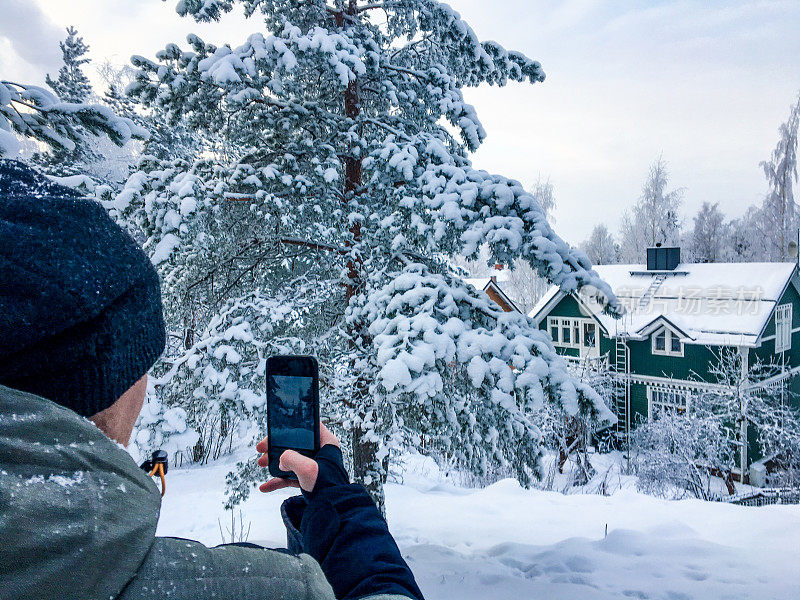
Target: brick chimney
498	267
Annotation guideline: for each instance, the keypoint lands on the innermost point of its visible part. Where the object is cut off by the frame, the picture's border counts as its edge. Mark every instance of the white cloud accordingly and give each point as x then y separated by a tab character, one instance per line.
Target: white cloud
27	34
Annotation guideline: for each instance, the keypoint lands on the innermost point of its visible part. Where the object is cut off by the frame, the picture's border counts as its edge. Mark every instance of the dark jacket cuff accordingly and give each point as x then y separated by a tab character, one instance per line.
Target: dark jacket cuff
331	470
292	511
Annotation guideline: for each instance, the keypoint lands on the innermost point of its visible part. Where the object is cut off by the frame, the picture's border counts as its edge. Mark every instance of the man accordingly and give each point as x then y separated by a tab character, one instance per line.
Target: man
80	325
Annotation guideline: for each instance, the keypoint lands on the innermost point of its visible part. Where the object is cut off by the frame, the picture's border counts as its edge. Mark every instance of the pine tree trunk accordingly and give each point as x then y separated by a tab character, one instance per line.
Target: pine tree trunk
188	332
366	466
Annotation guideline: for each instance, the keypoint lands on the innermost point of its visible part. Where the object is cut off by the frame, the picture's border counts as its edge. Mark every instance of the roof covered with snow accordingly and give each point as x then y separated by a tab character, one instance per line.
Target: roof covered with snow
483	283
479	283
706	303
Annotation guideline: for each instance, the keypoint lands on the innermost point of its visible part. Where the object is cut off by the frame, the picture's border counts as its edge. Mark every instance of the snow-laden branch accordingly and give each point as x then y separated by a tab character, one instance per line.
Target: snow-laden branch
34	112
460	208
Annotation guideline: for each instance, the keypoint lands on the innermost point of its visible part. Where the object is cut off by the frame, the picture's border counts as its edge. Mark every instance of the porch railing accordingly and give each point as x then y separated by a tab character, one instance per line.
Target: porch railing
598	363
766	496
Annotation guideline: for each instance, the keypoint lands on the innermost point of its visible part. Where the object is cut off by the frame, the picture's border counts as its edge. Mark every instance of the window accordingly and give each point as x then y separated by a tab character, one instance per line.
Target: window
589	334
574	333
661	341
663	398
552	325
666	342
783	328
675	344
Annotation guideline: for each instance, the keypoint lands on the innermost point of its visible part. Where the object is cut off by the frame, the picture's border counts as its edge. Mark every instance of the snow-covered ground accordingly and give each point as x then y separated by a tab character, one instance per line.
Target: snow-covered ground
504	542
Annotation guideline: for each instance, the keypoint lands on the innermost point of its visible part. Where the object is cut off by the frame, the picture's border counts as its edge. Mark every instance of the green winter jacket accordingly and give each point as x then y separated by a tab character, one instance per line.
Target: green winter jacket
78	520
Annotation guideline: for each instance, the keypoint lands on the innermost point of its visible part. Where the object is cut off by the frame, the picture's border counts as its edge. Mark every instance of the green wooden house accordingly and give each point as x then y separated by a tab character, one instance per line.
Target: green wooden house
677	318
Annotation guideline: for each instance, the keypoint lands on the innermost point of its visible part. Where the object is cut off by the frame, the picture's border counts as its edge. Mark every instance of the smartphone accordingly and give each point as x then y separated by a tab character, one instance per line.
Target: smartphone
292	408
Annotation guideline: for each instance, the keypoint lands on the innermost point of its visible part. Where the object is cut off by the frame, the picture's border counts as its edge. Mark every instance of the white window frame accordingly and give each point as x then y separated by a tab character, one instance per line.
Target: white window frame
554	323
665	397
783	328
575	325
566	324
596	345
669	335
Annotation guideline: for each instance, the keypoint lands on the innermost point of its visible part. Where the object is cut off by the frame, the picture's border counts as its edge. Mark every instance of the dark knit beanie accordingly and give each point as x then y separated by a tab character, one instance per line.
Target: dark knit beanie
80	304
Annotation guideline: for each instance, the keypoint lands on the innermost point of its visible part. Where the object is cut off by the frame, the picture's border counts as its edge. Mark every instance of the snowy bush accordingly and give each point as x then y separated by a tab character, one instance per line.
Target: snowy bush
678	455
746	404
162	428
681	453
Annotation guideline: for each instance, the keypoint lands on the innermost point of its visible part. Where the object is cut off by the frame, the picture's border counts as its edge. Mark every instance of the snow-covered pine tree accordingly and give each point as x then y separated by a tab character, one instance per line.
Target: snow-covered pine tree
341	177
166	140
521	282
72	85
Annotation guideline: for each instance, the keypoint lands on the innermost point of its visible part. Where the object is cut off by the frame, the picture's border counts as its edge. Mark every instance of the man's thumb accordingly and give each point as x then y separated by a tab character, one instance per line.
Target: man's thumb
304	467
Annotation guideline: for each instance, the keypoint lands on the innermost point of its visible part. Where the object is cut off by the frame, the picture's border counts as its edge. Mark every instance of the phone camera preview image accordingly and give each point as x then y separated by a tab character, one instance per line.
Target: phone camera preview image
291	411
292	408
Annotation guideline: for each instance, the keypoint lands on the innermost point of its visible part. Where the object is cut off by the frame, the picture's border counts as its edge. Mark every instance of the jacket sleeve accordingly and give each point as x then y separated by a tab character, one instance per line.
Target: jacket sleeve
187	570
339	525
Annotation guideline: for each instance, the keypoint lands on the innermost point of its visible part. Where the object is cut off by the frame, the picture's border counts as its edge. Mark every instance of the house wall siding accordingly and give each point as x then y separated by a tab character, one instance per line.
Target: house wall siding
791	358
693	365
638	403
607	346
569	307
566	307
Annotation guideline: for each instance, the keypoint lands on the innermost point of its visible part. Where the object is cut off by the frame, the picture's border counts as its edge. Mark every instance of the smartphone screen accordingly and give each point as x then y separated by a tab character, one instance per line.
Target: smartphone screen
292	408
291	411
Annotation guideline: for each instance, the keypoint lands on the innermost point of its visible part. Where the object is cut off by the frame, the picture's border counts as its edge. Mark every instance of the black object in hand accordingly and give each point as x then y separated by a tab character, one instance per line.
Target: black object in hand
292	409
159	457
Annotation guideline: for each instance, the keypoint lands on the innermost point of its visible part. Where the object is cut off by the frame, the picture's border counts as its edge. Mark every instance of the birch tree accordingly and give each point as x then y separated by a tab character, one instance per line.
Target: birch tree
654	219
778	213
710	236
600	246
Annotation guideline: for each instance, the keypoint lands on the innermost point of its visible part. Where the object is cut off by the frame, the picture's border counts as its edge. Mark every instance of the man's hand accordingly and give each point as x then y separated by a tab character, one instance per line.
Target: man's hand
304	467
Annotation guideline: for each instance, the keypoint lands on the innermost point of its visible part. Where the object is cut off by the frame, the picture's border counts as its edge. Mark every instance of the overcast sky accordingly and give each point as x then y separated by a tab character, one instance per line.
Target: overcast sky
706	83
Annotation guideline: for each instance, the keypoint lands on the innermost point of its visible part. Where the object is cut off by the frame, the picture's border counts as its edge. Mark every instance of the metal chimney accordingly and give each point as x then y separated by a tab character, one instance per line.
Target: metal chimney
663	258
